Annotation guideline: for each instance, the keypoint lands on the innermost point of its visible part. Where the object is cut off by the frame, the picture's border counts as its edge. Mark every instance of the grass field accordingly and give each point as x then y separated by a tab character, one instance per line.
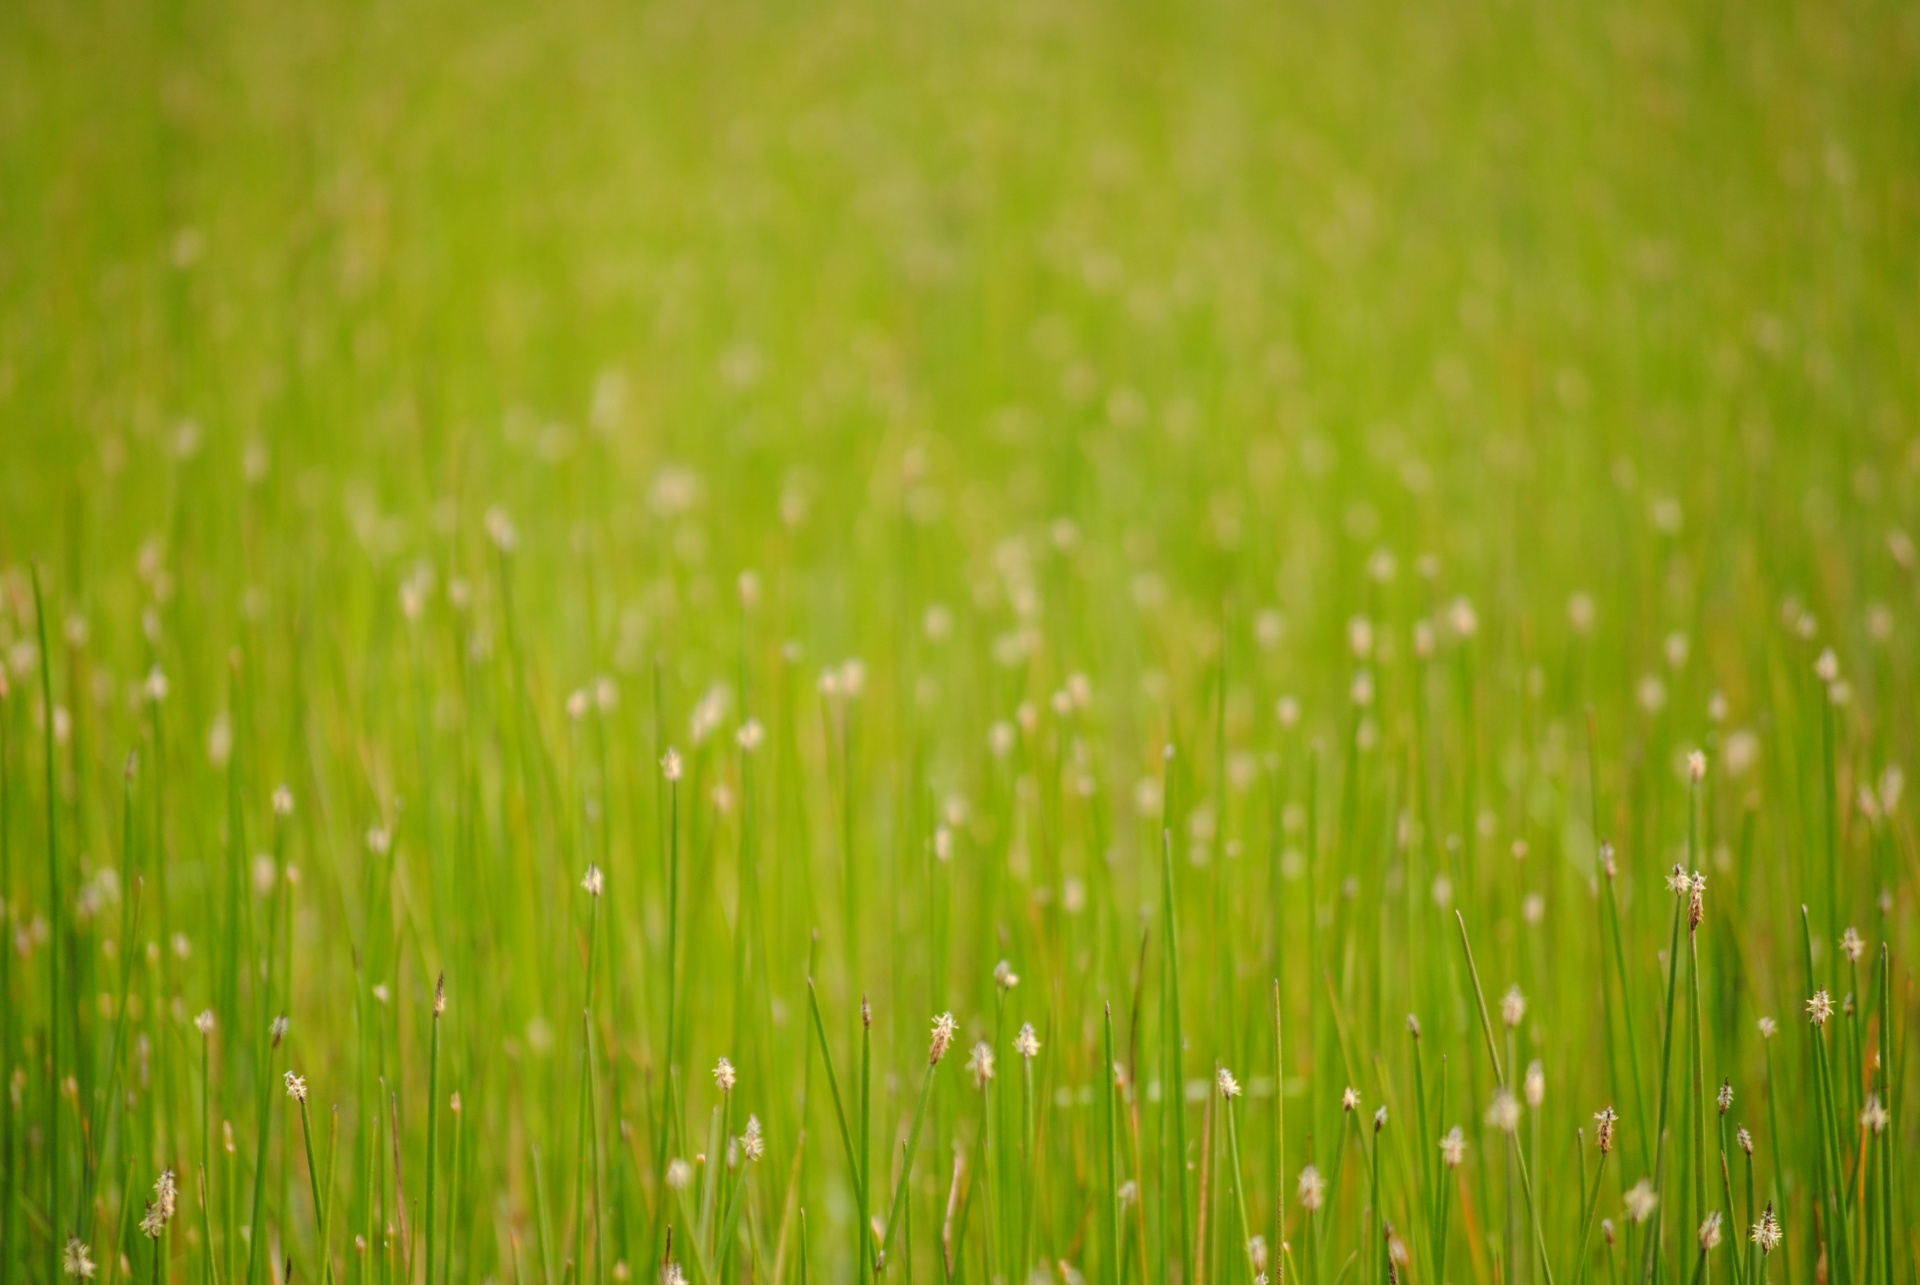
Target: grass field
1214	558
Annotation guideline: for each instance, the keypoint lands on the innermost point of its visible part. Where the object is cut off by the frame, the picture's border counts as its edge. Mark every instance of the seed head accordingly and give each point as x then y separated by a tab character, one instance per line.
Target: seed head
1710	1231
1350	1099
77	1261
1535	1084
1379	1118
1640	1201
750	735
670	765
1004	977
296	1088
679	1174
1767	1233
1827	667
204	1022
282	802
1513	1007
980	1064
1820	1008
1745	1139
440	996
1851	946
1229	1087
160	1208
1768	1028
595	883
753	1145
1413	1026
1503	1113
723	1075
943	1028
1679	882
1026	1043
1874	1117
1696	901
1606	860
1257	1252
1453	1148
1696	767
1313	1189
279	1029
1725	1096
1604	1121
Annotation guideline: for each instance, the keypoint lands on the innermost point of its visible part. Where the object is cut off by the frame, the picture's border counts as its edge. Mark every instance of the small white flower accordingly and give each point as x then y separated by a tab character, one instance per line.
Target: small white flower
1312	1190
1768	1028
670	765
1229	1087
679	1174
1640	1200
78	1260
1710	1231
1851	946
1026	1043
1453	1148
1535	1084
1350	1099
1874	1118
942	1040
595	883
282	801
752	1144
980	1064
1724	1098
204	1022
1820	1008
1503	1113
296	1088
1513	1006
1767	1233
1004	977
724	1076
1696	767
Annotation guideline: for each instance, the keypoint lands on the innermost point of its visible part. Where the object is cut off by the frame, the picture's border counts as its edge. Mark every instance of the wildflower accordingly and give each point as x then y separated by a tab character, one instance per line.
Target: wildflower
1026	1043
1504	1112
1004	977
160	1208
296	1088
1453	1148
1603	1125
980	1064
1680	883
753	1144
670	765
943	1027
204	1022
1696	909
1413	1026
1768	1028
1513	1006
1710	1232
1725	1096
1874	1117
679	1174
1820	1008
1350	1099
1535	1084
1745	1140
1379	1119
1313	1189
595	882
1229	1087
723	1075
1766	1233
1851	946
77	1261
1640	1201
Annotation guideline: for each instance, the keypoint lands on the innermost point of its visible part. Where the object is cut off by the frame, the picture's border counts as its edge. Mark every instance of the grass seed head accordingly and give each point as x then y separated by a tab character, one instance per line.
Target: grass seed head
1874	1117
1768	1028
1503	1113
980	1064
296	1088
1640	1200
1312	1189
1026	1043
942	1039
1604	1121
753	1144
1535	1083
204	1022
1745	1140
670	765
1820	1008
1453	1148
724	1076
1710	1232
1229	1087
1725	1097
440	996
279	1029
1851	946
1767	1233
595	883
1379	1118
1349	1099
1513	1007
78	1259
282	801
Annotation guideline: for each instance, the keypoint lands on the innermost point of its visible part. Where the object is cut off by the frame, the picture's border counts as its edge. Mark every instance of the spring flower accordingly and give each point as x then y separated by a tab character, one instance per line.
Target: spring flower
1313	1189
1679	882
943	1027
1604	1121
1820	1008
980	1064
724	1076
1229	1087
1026	1043
77	1261
204	1022
1504	1112
1453	1148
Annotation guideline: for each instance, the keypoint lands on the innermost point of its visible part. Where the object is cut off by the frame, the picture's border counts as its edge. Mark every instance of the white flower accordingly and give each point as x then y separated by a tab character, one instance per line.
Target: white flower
943	1028
296	1088
1874	1118
1851	946
1453	1148
980	1064
670	765
1513	1006
1004	977
595	883
1503	1113
1820	1008
723	1075
1767	1233
1026	1043
1768	1028
1535	1084
1350	1099
679	1174
1725	1097
752	1144
1640	1201
204	1022
1313	1189
1229	1087
1696	767
1710	1231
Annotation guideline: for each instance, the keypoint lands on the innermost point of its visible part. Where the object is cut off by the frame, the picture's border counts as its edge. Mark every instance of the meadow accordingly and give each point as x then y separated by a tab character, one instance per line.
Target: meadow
727	642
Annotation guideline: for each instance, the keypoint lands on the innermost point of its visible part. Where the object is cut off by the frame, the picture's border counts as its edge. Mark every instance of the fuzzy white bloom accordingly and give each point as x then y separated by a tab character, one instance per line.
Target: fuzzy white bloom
1679	882
1745	1139
1379	1118
1696	767
1503	1113
1004	977
1257	1252
78	1259
1827	667
1767	1233
980	1064
1535	1083
1229	1087
1724	1098
1768	1028
750	735
282	801
1513	1006
1604	1121
1312	1190
1820	1008
942	1040
670	765
204	1022
279	1027
679	1174
1453	1148
1710	1231
724	1076
595	883
753	1143
1640	1200
1349	1099
1874	1117
1851	946
1026	1043
296	1088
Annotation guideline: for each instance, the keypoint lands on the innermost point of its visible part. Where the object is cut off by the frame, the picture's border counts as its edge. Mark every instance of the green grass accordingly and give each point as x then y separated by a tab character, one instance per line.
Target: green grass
1218	507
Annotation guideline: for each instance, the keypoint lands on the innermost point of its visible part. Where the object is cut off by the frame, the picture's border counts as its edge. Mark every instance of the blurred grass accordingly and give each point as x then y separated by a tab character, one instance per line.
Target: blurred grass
1000	344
